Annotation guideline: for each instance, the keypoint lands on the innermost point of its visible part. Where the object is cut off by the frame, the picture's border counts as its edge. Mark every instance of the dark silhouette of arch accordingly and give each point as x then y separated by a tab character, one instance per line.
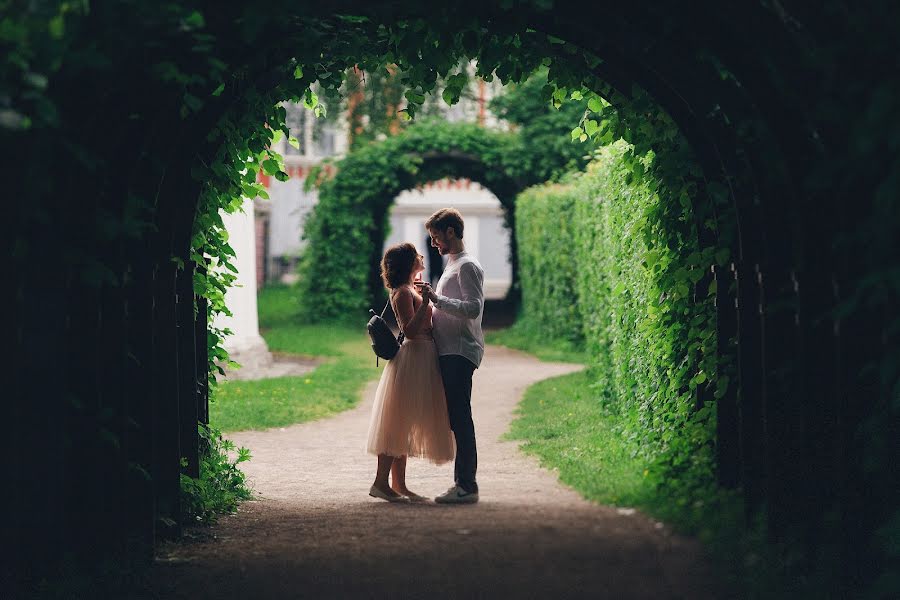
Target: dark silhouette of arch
105	366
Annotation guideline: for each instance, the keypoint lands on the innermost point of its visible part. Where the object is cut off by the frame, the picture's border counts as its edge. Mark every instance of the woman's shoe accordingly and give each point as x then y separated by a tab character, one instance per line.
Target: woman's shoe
415	497
375	492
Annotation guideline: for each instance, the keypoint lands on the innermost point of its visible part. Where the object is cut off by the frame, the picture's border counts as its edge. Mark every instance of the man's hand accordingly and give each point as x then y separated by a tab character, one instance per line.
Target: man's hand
427	292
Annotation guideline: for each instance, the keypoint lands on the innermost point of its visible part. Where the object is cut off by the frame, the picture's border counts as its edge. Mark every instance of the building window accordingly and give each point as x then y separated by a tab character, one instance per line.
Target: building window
296	121
324	137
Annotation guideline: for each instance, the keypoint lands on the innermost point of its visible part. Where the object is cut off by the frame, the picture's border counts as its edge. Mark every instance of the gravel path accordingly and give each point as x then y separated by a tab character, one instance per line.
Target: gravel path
315	532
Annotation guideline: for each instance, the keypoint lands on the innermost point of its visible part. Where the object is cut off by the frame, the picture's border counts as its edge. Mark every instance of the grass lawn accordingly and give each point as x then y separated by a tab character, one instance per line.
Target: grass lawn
565	424
332	387
522	337
562	422
569	428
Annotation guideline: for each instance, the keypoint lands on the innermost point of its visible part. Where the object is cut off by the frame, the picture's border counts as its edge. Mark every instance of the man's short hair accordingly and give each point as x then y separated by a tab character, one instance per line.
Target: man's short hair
444	219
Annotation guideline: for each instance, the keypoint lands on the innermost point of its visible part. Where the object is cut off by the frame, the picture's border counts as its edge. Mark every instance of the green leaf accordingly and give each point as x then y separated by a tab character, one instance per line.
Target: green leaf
450	96
195	20
36	80
57	27
721	387
310	99
270	166
218	91
595	105
298	72
414	97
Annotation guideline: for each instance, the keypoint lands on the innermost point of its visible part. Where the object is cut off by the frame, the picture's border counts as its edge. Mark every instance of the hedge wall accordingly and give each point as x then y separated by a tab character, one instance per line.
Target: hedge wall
547	263
599	264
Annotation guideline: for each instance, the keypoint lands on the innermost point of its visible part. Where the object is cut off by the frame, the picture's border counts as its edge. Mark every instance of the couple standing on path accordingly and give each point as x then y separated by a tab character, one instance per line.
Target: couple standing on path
423	404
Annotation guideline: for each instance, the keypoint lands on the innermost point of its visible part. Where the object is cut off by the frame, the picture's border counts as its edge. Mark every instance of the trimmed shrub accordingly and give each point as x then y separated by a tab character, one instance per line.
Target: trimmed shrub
548	261
606	265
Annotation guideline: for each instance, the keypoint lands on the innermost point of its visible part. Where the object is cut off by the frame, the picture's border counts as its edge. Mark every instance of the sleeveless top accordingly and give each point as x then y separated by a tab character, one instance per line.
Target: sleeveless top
425	334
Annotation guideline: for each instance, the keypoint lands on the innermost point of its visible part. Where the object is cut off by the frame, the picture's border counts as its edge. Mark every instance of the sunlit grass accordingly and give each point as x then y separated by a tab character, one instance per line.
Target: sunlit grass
565	423
334	386
523	336
570	429
567	427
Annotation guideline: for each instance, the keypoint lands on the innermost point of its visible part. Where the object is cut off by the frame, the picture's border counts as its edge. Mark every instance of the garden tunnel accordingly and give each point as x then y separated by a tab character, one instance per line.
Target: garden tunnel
108	361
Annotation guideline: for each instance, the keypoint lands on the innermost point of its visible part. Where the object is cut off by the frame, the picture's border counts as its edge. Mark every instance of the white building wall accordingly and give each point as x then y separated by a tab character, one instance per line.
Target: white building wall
485	235
245	345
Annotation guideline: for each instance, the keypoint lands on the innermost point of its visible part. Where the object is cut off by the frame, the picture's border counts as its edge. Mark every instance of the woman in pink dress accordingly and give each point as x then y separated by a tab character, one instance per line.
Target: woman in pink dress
409	417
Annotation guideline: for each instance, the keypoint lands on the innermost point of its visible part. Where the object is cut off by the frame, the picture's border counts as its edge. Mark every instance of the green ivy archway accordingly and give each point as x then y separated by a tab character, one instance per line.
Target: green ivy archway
346	231
775	137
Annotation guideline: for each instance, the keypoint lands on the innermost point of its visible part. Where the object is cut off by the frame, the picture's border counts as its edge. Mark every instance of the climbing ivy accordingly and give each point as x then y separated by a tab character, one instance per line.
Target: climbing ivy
133	97
600	266
543	148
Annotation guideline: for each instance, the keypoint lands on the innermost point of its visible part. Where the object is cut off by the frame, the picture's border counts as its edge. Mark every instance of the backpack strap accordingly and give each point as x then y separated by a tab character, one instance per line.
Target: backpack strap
386	305
402	335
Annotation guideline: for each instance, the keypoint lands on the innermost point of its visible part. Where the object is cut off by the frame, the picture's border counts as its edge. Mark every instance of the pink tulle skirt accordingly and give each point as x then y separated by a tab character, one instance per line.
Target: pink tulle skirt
410	412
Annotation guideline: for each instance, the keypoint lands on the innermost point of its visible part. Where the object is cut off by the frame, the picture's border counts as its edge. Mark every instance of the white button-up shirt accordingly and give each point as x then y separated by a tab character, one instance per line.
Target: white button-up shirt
459	308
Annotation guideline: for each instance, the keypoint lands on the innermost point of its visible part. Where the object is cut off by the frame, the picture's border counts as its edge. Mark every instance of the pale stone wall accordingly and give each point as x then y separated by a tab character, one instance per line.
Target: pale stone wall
485	234
245	346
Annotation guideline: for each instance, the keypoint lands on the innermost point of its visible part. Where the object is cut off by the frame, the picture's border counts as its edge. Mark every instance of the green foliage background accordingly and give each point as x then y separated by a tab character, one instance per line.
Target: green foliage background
221	485
601	268
548	264
543	148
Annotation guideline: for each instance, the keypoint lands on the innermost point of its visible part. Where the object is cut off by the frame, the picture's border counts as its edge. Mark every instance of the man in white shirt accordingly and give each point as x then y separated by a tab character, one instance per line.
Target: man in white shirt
458	307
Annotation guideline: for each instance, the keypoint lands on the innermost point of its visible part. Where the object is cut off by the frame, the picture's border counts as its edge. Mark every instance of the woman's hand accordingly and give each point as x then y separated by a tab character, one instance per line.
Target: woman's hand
426	292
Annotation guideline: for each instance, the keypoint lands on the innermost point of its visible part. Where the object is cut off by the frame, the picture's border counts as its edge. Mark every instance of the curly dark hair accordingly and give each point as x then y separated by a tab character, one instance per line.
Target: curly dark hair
397	264
444	219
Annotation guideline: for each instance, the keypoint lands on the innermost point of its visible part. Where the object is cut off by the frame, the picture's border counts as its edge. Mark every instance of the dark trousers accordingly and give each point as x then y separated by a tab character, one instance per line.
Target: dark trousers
456	371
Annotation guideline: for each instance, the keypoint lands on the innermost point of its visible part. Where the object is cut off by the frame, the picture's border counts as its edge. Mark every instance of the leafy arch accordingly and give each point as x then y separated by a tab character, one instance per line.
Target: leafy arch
757	155
346	231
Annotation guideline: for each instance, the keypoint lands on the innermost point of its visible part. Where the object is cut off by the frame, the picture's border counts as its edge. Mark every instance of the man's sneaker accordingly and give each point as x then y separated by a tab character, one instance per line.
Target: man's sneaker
457	495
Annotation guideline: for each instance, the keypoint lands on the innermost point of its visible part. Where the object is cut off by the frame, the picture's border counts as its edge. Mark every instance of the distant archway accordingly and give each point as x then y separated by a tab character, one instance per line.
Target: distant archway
340	274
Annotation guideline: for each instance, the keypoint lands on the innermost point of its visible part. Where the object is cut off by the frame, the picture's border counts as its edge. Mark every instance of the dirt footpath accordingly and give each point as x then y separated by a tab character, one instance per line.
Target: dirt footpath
316	533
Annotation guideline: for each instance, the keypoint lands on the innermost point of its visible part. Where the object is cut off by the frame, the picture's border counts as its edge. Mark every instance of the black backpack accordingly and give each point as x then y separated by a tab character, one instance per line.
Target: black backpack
384	344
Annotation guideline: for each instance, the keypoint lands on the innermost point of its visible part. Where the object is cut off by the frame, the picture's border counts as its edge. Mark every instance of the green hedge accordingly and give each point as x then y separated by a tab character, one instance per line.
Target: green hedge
545	231
604	262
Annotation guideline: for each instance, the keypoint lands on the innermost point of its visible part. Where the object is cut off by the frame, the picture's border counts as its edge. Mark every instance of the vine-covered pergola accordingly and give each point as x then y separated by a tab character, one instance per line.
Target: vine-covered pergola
132	125
340	269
